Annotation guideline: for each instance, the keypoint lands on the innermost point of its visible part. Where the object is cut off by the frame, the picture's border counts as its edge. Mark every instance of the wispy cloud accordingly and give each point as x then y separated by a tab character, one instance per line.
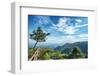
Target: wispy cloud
79	26
83	35
70	30
42	20
62	26
78	20
62	29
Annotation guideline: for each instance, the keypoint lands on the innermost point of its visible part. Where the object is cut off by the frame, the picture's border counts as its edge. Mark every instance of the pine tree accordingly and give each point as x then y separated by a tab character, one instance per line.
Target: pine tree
39	36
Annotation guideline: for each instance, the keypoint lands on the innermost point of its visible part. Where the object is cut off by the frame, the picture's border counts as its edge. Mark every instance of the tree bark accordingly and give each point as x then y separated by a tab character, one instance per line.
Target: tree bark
33	51
35	44
35	55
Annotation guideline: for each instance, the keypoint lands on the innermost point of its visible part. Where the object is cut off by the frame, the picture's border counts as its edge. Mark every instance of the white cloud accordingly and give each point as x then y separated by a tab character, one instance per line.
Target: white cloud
78	20
41	20
83	35
70	37
61	39
79	26
62	26
70	30
61	23
67	39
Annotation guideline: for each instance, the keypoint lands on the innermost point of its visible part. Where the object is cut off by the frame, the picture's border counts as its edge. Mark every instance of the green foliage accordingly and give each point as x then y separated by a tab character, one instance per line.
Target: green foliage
64	56
30	52
39	35
56	55
76	53
47	54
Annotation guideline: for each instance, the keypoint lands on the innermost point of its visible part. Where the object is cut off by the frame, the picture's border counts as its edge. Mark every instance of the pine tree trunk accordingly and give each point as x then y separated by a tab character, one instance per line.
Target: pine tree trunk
33	51
35	44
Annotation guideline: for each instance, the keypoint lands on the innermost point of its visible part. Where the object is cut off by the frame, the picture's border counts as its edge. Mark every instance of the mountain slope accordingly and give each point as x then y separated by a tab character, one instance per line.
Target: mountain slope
66	48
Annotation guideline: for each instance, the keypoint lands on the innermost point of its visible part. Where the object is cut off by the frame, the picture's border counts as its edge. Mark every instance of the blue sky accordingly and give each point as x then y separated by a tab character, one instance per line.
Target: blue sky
62	29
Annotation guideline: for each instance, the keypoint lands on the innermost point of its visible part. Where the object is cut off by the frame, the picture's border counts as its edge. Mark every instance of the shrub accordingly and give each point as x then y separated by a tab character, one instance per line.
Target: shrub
76	53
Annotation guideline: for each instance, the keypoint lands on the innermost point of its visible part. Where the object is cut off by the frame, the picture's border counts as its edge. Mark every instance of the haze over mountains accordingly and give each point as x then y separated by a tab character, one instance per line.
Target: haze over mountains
66	48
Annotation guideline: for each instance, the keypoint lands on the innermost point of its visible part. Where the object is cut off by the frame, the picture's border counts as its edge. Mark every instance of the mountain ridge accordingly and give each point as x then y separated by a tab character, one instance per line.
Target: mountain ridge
67	47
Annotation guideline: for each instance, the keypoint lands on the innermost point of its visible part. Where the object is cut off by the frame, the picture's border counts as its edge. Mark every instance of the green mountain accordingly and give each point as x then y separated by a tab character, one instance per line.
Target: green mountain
66	48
